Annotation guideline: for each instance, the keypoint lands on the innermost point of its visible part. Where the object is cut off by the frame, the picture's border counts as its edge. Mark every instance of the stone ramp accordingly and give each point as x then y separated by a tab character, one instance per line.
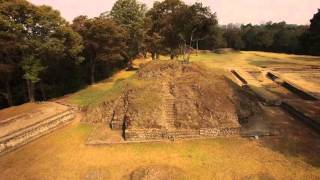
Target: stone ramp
291	86
28	126
298	101
252	83
306	77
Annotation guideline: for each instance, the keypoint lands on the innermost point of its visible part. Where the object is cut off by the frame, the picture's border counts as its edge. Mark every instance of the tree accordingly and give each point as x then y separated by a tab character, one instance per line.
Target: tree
232	35
181	25
311	39
39	34
287	39
153	44
202	22
6	72
164	16
130	15
32	69
103	40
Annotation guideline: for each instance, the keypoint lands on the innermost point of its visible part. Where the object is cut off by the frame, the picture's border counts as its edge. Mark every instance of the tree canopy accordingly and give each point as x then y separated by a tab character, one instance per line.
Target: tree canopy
130	15
38	38
311	39
104	41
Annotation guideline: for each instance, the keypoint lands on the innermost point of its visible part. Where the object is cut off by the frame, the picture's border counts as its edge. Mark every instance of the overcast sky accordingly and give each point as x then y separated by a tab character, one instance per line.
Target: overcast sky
228	11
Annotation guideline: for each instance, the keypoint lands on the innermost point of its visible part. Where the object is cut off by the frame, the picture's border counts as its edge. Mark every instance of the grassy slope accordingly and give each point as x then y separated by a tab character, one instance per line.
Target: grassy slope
63	155
95	94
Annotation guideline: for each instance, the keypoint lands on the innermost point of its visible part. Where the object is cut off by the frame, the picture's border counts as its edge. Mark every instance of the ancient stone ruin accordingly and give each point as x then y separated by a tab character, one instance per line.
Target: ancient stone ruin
173	100
30	122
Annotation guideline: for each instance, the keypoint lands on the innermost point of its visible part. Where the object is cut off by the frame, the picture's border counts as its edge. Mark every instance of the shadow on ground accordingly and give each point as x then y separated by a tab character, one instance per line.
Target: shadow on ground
295	138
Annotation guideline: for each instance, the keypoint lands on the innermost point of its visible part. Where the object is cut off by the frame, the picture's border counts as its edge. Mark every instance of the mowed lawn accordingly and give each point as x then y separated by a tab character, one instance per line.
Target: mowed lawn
64	155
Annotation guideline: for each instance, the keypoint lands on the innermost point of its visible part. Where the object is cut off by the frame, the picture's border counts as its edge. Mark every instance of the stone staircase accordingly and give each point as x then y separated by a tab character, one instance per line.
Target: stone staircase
168	108
29	133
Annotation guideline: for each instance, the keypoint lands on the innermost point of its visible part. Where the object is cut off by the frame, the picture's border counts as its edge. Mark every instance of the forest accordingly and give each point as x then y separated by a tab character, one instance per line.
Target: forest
43	56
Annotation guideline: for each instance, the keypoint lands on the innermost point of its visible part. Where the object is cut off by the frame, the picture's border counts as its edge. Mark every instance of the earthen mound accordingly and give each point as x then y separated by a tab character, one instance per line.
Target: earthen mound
170	99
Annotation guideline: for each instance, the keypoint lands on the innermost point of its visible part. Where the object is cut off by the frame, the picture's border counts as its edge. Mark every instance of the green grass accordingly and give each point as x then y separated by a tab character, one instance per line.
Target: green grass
93	95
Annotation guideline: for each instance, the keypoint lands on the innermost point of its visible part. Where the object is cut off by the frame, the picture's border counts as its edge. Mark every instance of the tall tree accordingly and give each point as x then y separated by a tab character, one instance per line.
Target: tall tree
232	35
32	69
202	22
182	25
103	40
130	15
164	16
311	39
38	36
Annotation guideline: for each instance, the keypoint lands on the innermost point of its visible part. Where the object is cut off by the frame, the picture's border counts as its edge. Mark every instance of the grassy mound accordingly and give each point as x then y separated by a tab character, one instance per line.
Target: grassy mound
171	94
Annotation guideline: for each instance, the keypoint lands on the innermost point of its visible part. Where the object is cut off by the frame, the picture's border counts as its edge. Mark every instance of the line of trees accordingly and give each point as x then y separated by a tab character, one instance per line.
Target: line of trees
42	56
273	37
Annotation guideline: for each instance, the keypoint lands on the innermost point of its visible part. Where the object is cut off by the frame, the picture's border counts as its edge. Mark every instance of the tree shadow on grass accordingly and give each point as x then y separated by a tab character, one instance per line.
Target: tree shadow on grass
268	63
307	58
293	138
296	139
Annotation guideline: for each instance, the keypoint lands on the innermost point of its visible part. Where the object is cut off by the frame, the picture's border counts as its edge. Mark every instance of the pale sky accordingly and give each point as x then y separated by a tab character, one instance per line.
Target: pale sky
228	11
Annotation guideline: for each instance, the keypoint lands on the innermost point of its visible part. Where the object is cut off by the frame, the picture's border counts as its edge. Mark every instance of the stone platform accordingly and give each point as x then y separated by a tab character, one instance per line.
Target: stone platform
22	124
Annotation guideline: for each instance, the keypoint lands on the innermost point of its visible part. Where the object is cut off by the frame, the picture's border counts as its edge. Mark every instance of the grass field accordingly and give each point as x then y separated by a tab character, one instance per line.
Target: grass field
64	155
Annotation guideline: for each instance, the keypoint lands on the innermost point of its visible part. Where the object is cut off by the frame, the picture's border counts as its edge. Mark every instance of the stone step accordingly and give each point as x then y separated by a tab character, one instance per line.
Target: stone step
23	136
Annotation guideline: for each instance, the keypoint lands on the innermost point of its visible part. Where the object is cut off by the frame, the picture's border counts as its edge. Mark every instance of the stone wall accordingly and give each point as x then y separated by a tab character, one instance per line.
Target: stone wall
24	136
162	134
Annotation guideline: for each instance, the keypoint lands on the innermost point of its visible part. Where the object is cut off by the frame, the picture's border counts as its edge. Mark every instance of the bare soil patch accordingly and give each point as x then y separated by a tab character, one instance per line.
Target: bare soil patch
17	110
94	173
157	172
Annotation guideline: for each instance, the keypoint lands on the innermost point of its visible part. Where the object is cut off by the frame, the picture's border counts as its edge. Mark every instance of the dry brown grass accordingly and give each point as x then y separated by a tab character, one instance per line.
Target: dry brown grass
63	155
17	110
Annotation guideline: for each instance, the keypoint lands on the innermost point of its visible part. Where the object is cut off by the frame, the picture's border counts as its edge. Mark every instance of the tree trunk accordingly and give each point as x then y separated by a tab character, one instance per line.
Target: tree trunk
130	65
145	54
9	94
30	91
188	54
92	71
180	49
153	55
197	48
43	93
171	54
185	52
